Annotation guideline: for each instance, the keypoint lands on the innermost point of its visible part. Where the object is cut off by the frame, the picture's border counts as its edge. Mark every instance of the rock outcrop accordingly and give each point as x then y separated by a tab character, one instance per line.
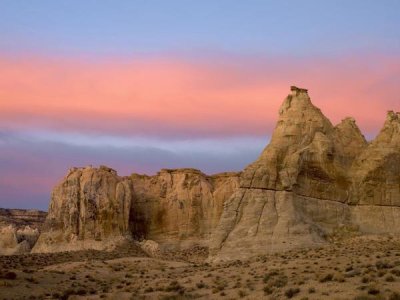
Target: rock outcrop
90	208
96	209
311	179
180	207
19	230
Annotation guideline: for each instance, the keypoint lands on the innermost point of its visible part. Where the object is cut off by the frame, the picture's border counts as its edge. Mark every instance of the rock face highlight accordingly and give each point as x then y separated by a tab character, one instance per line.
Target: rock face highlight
90	208
180	207
311	179
19	230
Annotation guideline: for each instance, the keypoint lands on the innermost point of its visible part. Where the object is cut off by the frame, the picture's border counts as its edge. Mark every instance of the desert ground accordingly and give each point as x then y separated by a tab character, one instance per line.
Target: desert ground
348	268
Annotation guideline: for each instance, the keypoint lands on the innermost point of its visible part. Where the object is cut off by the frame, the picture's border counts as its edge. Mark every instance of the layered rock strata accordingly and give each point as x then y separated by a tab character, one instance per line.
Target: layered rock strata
312	178
31	217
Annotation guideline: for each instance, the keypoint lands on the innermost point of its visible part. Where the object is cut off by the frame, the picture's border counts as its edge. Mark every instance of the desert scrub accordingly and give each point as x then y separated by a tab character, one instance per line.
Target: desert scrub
81	292
275	279
290	293
268	290
325	277
390	278
395	272
363	297
383	265
8	275
242	293
174	286
365	279
394	296
338	277
32	280
201	285
372	290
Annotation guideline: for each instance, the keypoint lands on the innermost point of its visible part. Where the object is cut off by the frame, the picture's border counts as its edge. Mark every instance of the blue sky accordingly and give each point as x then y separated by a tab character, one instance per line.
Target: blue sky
192	27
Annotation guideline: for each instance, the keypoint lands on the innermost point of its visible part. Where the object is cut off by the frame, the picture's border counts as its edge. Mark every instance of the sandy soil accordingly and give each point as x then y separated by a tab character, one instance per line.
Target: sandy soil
355	268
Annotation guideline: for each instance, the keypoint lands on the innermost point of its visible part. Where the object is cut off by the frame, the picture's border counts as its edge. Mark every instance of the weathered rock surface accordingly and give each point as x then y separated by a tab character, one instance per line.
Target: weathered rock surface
313	177
180	207
376	172
94	208
90	208
19	229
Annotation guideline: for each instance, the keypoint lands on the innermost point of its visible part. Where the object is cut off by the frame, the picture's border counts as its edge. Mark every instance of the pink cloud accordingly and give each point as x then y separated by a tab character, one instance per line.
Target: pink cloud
172	97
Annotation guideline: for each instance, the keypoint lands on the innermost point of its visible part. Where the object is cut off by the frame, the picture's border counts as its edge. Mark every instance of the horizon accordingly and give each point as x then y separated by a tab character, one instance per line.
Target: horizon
141	86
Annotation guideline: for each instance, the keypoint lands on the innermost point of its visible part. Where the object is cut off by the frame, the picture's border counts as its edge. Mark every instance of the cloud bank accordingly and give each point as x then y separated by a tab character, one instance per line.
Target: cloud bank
139	115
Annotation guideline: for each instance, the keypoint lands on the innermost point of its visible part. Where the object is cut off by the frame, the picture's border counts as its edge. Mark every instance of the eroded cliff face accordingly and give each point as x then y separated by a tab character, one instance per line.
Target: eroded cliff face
375	191
96	209
312	178
90	208
180	207
19	230
376	172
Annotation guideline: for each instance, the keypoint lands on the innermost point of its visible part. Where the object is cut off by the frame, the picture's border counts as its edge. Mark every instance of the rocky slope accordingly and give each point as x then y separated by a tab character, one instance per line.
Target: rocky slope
19	229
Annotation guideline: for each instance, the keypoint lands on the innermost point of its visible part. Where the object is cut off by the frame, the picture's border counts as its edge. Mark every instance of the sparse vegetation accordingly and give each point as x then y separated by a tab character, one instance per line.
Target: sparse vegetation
312	273
290	293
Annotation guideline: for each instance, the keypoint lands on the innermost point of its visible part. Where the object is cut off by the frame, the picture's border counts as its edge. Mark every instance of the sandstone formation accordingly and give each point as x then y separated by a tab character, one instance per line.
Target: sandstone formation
90	208
375	191
95	208
312	178
19	230
180	207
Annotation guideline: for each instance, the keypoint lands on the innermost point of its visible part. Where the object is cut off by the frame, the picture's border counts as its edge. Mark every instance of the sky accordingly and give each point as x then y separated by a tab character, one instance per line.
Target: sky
144	85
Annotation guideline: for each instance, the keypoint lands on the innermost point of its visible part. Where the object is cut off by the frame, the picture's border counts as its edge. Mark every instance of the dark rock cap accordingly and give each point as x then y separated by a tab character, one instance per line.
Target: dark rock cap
297	89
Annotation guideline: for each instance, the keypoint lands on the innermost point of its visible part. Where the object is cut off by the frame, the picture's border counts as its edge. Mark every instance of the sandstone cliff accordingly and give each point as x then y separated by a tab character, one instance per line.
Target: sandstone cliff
180	206
95	208
19	229
90	208
312	178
